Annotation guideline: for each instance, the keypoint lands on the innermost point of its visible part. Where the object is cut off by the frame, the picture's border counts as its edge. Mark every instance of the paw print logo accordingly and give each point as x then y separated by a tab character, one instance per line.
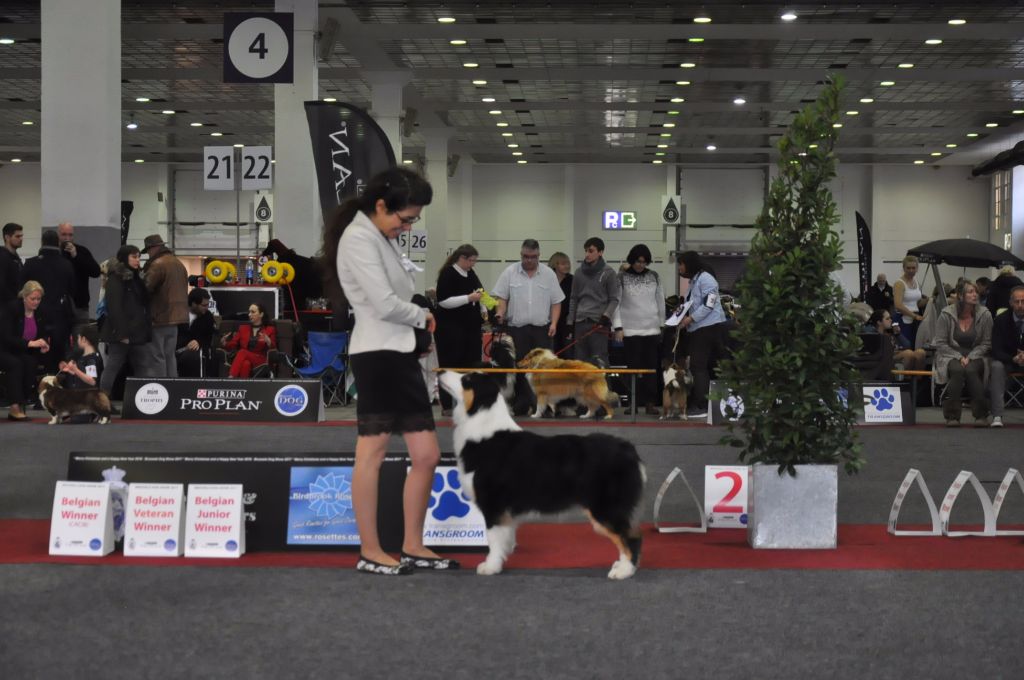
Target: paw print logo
446	497
882	399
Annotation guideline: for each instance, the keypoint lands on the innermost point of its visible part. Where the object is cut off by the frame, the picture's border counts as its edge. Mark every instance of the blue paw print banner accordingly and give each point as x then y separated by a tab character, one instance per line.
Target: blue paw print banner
452	518
887	403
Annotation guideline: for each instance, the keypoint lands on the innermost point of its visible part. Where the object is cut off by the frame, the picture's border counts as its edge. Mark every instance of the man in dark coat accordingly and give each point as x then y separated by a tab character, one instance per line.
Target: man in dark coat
167	285
999	291
10	263
84	265
57	278
879	296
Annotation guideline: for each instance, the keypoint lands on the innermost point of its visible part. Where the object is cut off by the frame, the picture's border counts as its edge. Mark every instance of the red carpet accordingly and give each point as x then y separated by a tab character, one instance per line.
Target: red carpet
575	546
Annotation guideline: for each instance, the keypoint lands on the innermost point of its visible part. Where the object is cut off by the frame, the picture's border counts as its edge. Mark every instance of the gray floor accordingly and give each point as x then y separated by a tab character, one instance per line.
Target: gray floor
92	621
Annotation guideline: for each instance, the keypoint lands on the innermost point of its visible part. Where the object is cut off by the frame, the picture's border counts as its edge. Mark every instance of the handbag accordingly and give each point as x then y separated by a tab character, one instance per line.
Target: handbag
423	336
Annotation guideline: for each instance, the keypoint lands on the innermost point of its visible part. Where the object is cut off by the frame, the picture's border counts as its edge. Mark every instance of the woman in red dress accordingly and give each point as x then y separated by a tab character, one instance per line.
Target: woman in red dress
252	341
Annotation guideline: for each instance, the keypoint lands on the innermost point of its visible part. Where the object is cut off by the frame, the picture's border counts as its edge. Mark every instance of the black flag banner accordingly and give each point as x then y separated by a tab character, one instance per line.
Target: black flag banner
864	253
348	149
127	207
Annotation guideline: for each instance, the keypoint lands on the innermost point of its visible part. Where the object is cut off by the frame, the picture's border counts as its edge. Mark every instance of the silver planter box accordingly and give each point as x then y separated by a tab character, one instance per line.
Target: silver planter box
793	512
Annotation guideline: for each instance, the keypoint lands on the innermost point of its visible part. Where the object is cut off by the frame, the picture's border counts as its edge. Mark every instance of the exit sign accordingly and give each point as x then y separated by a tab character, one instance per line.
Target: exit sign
614	219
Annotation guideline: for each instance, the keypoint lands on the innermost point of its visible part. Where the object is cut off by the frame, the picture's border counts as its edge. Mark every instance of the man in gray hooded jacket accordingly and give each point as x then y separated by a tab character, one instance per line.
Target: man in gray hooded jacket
595	296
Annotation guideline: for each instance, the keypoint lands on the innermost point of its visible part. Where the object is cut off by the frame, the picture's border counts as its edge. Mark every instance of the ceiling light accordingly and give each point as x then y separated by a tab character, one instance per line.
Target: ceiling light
27	122
330	100
682	82
665	134
1017	112
957	22
702	18
932	41
521	162
517	153
711	147
887	83
739	101
673	113
238	146
951	146
494	112
853	113
866	100
216	134
663	146
936	153
668	125
167	111
657	161
6	41
837	125
506	134
407	161
918	162
695	40
513	146
502	124
487	99
677	100
132	125
991	124
456	42
659	153
972	134
142	99
195	125
479	82
687	64
788	15
812	146
446	20
14	160
139	160
471	64
905	65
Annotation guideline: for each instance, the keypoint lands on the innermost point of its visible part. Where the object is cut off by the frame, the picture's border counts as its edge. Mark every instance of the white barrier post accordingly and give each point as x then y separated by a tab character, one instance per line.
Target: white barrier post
953	493
702	529
897	503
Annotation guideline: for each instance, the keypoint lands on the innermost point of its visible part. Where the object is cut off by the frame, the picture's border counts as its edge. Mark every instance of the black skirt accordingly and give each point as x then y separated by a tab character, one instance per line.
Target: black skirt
391	395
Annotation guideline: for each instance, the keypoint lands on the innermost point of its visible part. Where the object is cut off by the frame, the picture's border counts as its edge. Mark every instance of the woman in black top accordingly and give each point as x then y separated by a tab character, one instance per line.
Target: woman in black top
458	315
23	342
562	266
127	328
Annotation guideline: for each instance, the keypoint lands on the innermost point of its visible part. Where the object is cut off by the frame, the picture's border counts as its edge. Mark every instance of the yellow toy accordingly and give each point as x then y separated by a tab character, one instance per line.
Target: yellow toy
486	299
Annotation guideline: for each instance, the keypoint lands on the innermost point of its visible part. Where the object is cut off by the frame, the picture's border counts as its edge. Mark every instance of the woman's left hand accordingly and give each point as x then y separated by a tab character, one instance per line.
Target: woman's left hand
431	323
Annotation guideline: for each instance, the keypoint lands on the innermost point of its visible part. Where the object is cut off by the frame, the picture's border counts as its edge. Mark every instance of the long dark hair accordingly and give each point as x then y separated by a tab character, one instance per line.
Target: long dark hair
465	250
124	251
694	264
397	187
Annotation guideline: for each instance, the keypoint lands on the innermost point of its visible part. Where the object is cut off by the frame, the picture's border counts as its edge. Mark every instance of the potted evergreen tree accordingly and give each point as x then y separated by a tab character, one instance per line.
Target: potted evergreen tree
792	372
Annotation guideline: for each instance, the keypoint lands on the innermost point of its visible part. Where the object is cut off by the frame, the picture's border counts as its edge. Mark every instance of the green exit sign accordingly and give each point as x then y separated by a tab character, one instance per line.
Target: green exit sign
615	219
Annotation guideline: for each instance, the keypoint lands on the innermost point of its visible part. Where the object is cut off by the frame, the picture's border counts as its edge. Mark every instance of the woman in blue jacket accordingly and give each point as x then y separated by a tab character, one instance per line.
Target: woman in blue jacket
705	323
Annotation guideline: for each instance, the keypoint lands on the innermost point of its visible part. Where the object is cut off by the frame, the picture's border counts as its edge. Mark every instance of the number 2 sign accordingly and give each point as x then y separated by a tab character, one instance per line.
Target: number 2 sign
725	495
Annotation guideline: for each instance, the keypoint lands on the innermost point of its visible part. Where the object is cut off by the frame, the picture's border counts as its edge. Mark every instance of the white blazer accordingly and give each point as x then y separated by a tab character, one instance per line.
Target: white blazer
378	282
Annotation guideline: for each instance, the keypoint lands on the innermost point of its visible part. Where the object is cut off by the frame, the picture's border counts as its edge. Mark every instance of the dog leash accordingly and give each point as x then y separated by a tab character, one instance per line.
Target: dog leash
597	328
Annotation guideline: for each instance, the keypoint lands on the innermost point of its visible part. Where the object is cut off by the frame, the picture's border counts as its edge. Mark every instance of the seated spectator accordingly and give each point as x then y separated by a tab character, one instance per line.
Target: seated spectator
23	344
252	341
195	338
891	350
999	291
963	339
84	367
1007	351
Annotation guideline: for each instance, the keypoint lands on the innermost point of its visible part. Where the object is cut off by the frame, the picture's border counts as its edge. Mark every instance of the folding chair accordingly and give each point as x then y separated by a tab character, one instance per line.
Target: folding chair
327	361
1015	389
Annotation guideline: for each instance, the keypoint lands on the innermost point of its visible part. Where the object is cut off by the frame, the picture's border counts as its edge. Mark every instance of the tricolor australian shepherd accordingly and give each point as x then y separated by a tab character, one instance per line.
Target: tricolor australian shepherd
510	473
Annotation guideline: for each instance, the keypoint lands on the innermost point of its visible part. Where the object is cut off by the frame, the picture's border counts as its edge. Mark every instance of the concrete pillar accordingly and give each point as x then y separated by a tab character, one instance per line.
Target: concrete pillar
297	219
436	217
386	105
81	122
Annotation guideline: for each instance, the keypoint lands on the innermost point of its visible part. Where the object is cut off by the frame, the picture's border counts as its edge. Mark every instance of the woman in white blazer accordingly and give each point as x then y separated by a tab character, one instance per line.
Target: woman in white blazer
392	397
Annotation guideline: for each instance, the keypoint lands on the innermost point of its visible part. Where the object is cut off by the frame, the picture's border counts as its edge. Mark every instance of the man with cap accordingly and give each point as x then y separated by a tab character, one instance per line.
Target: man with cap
84	266
167	283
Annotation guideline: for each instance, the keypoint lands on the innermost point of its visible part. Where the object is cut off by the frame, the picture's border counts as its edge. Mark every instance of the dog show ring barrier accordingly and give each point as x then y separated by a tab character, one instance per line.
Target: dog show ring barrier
631	372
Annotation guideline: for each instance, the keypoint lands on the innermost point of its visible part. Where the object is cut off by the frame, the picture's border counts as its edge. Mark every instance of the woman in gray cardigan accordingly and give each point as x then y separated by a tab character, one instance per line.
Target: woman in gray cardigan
963	340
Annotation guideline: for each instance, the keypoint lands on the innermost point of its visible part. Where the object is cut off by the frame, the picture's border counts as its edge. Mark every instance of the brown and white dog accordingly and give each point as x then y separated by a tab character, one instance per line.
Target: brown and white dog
62	402
590	389
678	380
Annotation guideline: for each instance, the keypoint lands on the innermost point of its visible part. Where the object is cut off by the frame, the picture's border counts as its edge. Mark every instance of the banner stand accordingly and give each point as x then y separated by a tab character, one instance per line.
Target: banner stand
702	529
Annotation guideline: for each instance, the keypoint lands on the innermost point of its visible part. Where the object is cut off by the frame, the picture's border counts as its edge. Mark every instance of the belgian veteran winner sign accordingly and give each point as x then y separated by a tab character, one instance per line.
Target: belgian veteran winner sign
223	400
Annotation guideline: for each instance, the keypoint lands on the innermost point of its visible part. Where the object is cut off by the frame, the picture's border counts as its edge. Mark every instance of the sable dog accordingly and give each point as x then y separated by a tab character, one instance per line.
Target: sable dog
510	474
61	402
678	380
590	389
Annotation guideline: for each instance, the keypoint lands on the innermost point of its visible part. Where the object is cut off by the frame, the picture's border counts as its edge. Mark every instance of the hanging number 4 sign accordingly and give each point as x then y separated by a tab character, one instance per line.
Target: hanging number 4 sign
257	170
258	47
218	168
